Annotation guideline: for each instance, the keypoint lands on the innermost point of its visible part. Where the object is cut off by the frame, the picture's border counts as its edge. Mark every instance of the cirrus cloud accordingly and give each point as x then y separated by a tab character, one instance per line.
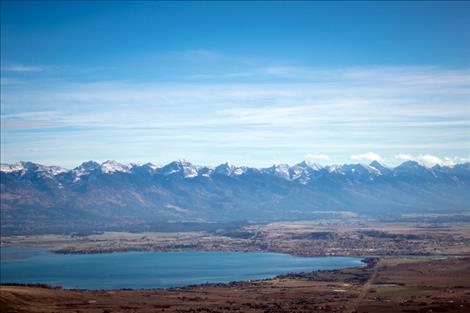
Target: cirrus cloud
23	68
323	157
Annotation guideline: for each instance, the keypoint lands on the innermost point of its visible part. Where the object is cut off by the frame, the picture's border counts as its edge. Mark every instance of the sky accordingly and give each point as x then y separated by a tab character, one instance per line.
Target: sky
252	83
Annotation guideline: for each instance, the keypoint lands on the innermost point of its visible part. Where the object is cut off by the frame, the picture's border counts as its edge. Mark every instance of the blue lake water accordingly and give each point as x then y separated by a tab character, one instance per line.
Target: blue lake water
153	269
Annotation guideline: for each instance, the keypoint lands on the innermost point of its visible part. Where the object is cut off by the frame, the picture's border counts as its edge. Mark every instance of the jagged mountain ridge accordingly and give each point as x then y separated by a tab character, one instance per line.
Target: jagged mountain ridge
36	198
188	170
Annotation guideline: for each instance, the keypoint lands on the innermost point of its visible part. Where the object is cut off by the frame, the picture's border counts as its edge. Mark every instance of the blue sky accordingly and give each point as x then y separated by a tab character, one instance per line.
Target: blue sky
251	83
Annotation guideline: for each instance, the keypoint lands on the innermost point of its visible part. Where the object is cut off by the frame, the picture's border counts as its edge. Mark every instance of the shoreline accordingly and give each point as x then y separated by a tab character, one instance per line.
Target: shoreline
270	270
368	263
389	285
87	252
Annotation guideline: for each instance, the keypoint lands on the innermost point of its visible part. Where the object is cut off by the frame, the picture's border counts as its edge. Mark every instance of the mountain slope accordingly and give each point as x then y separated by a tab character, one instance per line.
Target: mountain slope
40	199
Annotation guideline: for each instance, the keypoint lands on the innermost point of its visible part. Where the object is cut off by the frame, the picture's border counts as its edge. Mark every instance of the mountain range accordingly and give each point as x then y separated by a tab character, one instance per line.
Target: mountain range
48	199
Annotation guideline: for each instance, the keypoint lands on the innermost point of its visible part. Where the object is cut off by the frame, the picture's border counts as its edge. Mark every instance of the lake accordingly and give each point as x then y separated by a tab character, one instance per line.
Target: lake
153	269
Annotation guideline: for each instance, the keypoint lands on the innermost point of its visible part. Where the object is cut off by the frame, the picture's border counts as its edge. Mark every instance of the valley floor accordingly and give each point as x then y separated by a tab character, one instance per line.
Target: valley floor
392	284
295	238
385	285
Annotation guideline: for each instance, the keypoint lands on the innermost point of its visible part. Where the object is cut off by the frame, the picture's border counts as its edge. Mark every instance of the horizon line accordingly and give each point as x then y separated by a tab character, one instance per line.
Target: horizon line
309	163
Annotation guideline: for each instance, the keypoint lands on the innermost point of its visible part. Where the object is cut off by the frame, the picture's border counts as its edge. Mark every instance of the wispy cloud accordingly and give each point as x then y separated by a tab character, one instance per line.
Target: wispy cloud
23	68
340	112
322	157
285	71
29	124
219	76
369	157
431	160
397	76
200	54
9	81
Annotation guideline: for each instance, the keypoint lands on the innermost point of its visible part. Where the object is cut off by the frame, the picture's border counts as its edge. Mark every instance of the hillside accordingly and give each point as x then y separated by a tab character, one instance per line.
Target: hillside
91	197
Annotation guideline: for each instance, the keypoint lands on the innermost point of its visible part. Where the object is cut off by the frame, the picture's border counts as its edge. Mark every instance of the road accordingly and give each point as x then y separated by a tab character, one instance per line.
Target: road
365	288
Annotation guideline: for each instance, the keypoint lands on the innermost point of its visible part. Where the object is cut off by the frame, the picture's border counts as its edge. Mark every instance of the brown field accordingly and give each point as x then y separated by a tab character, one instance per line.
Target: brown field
296	238
386	285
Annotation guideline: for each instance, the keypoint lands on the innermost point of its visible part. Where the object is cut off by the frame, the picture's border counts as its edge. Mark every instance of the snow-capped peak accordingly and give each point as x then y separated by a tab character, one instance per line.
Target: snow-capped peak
229	169
53	170
112	166
280	170
88	166
24	167
309	165
9	168
370	169
84	169
224	169
151	165
181	166
381	168
333	168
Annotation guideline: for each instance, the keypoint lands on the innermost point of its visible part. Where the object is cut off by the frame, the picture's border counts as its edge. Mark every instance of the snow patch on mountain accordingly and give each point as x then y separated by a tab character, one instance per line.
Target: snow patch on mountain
303	172
111	166
151	165
24	167
181	167
280	170
9	168
229	169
